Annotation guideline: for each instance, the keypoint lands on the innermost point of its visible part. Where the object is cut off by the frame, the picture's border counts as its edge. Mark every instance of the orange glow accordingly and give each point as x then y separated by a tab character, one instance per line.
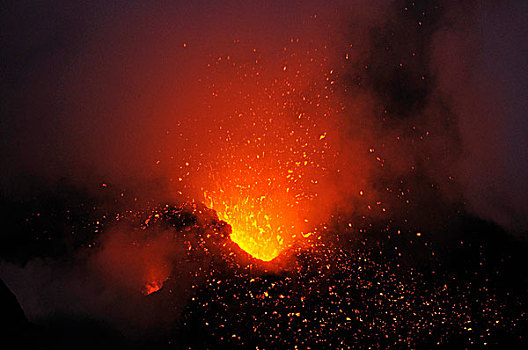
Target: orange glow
155	277
271	146
258	226
151	287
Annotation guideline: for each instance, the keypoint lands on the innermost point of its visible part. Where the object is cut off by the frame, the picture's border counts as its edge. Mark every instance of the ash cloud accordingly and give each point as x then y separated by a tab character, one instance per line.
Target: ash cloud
446	80
477	60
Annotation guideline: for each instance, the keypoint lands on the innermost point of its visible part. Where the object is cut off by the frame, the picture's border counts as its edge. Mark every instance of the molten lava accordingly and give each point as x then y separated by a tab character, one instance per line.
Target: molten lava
253	231
258	226
151	287
274	147
267	146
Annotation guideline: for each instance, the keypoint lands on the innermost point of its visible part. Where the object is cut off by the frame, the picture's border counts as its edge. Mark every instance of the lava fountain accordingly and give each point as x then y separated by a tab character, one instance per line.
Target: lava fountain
272	145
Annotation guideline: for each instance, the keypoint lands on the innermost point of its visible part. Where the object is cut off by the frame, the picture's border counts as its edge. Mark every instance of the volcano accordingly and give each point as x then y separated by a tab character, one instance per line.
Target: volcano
320	174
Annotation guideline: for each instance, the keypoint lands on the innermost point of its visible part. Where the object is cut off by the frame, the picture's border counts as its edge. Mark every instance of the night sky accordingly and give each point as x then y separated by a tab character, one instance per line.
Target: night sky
264	175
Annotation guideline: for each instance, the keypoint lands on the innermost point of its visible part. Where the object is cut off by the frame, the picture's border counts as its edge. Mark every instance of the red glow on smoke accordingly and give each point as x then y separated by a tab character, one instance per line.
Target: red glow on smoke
151	287
136	259
273	132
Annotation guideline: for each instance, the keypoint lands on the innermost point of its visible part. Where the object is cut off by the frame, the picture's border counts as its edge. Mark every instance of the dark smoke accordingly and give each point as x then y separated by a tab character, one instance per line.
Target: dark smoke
478	62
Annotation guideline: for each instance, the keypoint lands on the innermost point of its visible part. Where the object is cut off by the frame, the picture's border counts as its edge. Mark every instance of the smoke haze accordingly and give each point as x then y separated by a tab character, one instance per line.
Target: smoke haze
421	122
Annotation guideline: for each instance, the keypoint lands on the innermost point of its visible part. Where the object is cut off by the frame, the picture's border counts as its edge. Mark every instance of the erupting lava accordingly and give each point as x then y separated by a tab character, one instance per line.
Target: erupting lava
257	227
272	145
252	230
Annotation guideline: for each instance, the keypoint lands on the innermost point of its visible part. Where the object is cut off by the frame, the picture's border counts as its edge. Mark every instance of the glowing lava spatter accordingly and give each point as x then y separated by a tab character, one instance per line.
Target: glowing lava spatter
274	146
254	233
256	225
